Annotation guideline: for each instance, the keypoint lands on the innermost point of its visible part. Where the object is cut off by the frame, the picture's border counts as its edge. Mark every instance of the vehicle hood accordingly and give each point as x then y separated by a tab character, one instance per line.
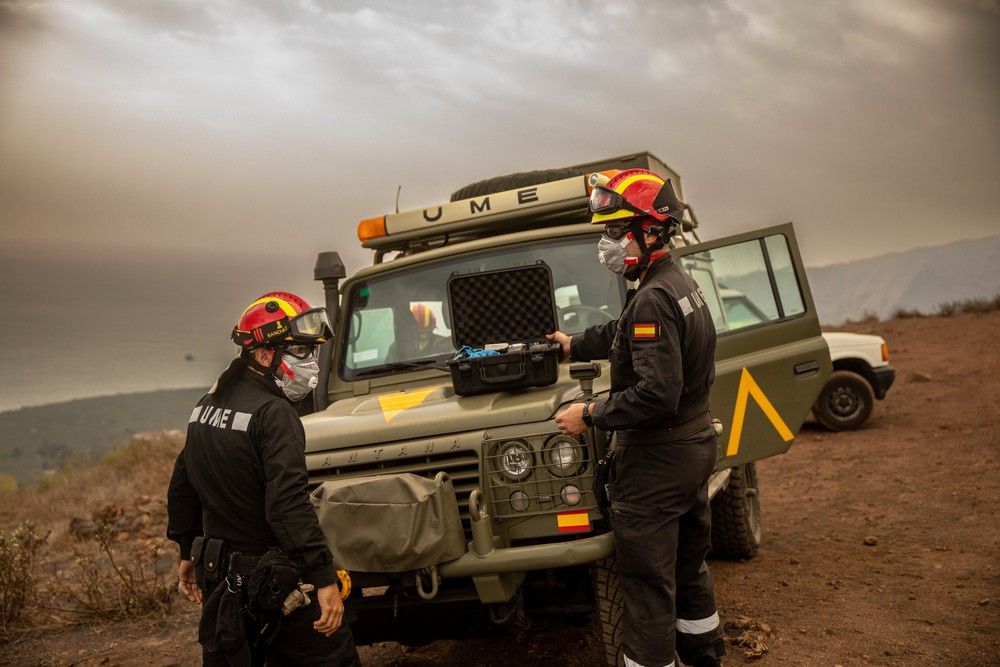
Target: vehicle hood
865	346
426	411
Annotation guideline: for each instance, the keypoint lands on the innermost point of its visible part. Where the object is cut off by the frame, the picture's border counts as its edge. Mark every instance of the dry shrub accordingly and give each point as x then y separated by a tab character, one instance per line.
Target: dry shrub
106	556
947	309
979	305
903	313
18	584
8	484
141	466
868	317
113	579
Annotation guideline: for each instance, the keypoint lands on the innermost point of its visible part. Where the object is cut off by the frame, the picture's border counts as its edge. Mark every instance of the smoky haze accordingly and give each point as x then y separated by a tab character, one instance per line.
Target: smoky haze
242	127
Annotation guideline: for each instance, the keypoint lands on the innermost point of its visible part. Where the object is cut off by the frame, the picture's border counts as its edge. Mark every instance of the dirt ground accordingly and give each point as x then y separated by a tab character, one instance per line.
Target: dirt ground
880	545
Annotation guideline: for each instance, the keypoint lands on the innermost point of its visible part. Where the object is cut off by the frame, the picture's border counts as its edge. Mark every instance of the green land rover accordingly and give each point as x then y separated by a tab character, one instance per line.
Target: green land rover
536	542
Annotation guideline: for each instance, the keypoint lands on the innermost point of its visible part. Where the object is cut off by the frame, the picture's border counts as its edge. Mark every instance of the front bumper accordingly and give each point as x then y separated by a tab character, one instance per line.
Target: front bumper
883	379
485	558
532	557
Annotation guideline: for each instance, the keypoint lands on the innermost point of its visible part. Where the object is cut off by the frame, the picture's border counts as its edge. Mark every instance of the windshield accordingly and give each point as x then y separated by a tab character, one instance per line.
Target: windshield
401	321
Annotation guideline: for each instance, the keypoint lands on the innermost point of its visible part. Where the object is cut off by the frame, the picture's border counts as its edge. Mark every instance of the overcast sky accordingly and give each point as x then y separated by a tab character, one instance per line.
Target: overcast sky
237	126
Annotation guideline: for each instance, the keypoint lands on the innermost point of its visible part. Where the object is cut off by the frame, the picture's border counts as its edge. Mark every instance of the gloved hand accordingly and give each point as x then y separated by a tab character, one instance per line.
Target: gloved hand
297	598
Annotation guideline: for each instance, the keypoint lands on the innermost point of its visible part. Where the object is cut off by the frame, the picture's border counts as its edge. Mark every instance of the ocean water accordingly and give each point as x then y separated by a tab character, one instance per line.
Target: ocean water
88	322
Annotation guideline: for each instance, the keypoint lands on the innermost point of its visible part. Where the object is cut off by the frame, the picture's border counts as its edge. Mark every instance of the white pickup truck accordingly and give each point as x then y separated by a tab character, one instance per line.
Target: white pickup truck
861	373
861	370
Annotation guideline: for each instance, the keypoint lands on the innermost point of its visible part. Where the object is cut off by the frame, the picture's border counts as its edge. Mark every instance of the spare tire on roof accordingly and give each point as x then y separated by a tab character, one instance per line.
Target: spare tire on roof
513	181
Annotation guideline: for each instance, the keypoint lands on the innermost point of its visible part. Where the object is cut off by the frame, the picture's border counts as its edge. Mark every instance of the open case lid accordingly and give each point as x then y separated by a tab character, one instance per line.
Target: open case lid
502	306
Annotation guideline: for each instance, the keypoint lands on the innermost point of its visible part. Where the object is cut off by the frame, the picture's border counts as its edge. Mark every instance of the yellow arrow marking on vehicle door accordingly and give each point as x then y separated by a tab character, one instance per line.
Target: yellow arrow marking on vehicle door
749	388
393	404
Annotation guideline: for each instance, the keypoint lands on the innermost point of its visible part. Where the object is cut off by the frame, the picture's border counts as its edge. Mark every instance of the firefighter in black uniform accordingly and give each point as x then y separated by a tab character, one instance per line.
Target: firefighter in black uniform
238	503
662	352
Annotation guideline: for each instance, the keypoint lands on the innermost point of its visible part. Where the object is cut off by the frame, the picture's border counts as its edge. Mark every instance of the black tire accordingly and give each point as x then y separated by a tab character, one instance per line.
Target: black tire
510	181
610	602
845	403
736	516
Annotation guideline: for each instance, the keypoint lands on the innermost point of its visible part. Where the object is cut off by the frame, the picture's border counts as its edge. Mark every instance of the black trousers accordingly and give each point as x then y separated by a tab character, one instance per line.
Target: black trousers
296	644
661	520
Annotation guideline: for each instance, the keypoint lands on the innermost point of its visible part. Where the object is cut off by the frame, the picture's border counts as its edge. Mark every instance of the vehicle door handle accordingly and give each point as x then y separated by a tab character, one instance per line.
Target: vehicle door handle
807	367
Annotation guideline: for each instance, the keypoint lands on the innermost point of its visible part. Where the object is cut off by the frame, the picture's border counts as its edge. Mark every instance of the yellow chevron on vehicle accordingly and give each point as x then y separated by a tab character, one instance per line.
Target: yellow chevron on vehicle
749	388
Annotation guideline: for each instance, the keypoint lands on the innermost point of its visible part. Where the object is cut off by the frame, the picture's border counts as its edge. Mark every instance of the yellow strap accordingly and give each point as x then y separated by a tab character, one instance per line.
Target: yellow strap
345	583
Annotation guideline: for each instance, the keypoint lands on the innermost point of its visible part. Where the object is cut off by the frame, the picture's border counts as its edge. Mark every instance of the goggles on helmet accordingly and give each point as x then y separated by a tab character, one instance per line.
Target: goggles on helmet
616	232
603	200
300	351
312	326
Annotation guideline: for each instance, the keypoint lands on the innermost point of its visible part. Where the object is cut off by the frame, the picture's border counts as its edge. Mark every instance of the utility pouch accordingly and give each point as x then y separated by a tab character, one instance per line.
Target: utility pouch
221	628
271	581
208	564
603	479
212	560
196	548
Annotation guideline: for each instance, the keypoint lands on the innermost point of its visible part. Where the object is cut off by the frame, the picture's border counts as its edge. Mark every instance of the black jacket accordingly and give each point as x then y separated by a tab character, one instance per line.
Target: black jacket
241	476
662	353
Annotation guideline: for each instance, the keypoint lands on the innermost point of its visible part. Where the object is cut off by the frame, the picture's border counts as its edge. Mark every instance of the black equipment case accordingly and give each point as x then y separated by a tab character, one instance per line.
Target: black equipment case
509	310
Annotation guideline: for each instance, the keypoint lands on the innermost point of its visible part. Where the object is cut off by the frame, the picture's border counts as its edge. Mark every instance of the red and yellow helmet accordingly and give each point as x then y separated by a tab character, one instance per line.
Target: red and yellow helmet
634	193
278	318
423	316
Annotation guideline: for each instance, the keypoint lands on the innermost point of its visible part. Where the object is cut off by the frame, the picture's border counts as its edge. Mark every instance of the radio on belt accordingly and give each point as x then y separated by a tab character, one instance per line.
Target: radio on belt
509	311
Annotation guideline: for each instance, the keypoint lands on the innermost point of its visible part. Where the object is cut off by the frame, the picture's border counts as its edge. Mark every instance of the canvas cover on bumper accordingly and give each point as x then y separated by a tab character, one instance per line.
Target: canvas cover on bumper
390	523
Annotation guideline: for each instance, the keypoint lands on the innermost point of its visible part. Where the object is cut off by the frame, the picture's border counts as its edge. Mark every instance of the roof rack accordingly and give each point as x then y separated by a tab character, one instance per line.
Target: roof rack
553	203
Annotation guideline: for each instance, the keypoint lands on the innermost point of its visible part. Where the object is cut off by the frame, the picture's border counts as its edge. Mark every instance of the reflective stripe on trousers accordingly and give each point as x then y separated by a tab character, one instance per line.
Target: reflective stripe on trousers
700	626
629	662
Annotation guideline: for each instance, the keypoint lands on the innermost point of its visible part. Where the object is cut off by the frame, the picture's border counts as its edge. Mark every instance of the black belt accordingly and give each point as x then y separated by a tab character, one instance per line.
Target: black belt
671	434
242	564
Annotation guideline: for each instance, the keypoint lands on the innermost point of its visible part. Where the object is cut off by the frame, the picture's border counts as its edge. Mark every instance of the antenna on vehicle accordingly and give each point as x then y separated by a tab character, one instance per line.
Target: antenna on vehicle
399	189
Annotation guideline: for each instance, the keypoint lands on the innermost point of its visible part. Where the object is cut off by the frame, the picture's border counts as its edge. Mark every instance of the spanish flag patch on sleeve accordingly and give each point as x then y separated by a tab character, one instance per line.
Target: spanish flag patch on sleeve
645	331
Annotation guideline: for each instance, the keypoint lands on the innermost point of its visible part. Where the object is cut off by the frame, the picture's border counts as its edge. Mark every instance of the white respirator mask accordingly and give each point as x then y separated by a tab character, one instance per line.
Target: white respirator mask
300	376
612	254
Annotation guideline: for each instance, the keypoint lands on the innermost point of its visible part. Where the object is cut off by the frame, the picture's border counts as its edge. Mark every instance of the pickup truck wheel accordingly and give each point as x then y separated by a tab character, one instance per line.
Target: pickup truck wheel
845	403
736	516
610	610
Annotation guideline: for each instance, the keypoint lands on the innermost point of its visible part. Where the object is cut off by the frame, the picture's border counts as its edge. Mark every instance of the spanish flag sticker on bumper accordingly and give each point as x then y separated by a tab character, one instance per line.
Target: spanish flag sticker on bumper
577	521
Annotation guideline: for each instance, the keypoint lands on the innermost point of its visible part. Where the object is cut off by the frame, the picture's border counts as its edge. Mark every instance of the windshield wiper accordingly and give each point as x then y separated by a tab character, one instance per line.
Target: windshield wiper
402	366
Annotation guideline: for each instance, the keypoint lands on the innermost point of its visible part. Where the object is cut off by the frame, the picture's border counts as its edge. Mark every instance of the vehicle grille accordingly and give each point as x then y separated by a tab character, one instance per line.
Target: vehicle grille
462	467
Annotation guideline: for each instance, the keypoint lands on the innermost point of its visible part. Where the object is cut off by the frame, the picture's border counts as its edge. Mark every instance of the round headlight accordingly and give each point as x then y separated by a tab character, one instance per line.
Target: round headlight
563	456
519	501
570	494
514	460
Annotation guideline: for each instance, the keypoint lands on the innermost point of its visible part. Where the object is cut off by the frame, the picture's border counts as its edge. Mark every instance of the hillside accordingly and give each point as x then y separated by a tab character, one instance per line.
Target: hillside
43	438
918	279
879	545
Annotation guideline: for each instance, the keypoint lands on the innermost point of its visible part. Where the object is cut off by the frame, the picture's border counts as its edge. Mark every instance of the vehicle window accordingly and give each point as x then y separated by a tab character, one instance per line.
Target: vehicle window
784	275
401	321
709	291
747	283
371	333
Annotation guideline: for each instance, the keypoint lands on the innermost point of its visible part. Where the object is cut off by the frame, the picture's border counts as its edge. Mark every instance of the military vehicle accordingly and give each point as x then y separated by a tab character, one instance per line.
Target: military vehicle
536	540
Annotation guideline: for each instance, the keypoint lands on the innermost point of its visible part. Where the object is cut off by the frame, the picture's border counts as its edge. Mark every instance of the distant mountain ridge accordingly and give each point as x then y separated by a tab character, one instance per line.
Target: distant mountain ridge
921	279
